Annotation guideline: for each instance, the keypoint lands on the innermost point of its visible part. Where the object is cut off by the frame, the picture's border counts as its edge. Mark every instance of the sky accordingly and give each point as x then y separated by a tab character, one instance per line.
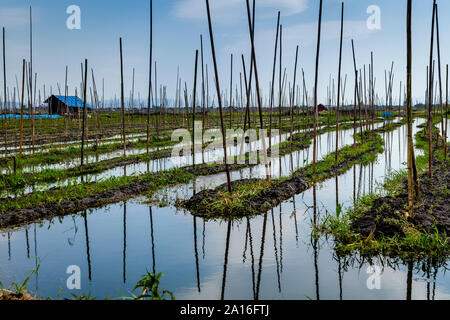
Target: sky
178	24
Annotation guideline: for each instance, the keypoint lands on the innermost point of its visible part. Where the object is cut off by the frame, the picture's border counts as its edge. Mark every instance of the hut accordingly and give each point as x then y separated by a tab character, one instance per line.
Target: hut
321	108
62	105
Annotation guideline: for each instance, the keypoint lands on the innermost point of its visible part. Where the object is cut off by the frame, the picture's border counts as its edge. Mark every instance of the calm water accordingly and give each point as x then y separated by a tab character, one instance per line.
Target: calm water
272	256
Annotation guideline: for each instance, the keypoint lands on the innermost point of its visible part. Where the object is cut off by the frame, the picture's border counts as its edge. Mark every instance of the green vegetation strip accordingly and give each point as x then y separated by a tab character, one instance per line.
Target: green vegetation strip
14	183
252	197
425	235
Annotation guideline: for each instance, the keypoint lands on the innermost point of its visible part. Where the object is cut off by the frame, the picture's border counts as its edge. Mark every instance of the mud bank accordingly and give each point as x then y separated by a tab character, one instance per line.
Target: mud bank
138	186
252	197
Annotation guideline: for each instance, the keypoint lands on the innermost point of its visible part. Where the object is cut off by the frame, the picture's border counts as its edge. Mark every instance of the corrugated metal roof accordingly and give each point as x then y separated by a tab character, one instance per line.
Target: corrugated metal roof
73	102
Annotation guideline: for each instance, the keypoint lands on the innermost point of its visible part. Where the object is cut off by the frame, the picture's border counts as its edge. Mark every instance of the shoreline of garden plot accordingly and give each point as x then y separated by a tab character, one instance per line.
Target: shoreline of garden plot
378	224
69	200
15	183
61	201
53	154
254	197
59	155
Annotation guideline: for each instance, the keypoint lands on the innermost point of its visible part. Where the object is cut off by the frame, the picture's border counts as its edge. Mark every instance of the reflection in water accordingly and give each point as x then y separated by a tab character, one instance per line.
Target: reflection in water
9	246
234	274
125	242
249	242
315	243
88	253
263	240
409	281
225	263
276	251
36	257
153	240
28	243
196	253
281	239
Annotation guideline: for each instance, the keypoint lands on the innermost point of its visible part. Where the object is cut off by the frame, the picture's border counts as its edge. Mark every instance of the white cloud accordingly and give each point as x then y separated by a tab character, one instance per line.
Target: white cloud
302	34
231	10
13	17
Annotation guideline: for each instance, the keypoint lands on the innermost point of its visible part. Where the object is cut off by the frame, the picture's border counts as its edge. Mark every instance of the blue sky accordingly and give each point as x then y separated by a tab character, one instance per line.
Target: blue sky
177	28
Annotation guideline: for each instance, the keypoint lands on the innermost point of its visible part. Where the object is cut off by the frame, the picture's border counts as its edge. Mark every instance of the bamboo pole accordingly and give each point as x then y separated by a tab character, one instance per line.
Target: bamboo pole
446	113
194	95
339	82
203	99
272	92
83	132
293	97
430	98
230	104
21	108
150	78
440	74
122	102
315	86
258	92
409	112
4	95
219	98
280	85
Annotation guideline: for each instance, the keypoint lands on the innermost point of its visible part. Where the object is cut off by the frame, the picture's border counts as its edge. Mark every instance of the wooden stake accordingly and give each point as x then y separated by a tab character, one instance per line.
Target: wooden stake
21	108
409	111
122	102
272	92
219	98
150	78
315	87
293	97
430	98
339	82
4	95
194	95
83	132
258	93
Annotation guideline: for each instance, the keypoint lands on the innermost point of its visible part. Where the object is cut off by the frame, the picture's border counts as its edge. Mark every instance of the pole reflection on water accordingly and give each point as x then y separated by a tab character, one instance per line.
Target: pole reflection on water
88	252
290	255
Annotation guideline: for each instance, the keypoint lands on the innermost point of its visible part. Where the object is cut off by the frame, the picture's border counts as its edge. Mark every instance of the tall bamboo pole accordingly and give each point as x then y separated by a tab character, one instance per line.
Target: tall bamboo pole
219	98
150	77
430	98
258	92
203	98
293	97
272	92
319	28
122	102
194	96
439	72
339	82
4	94
446	113
83	132
231	93
409	111
280	85
21	108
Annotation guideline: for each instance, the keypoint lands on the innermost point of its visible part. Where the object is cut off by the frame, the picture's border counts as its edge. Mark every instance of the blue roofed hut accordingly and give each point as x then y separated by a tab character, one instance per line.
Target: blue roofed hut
62	105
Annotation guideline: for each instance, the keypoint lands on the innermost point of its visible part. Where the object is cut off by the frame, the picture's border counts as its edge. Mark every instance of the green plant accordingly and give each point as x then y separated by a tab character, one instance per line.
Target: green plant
149	286
20	289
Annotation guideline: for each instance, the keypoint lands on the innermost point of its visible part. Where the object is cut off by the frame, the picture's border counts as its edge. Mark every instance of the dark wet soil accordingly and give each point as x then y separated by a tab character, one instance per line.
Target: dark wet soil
432	211
278	191
14	218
